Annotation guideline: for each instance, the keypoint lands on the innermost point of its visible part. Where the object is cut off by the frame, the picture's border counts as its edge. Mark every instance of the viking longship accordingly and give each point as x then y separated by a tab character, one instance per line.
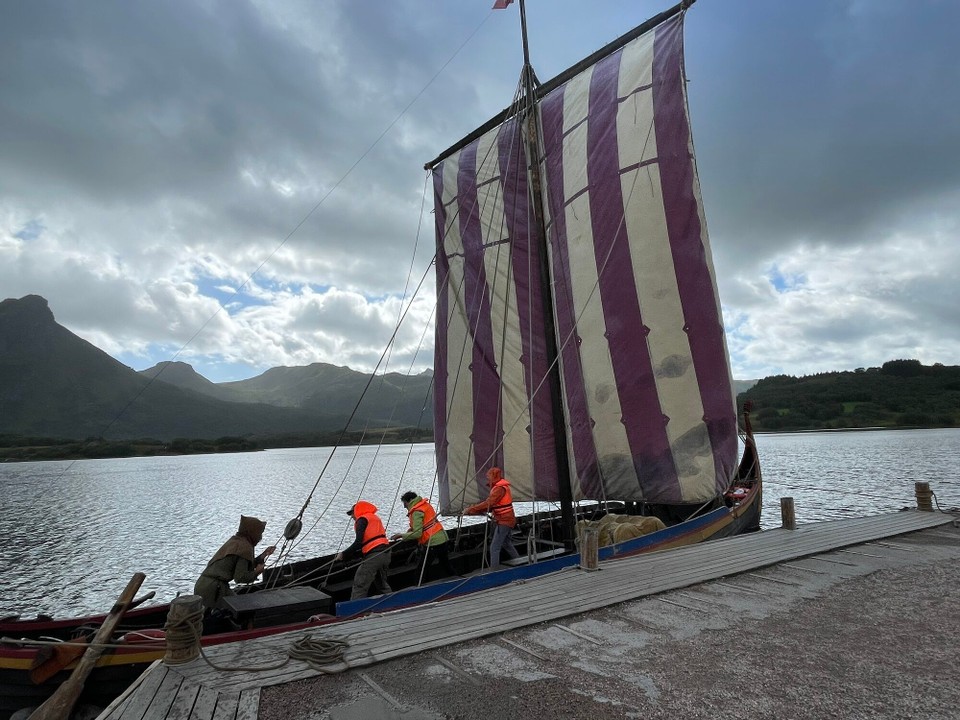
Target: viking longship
579	346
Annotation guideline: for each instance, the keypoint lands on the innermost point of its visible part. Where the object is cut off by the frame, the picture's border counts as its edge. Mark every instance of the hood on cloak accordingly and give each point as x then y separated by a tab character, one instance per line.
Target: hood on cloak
242	544
252	528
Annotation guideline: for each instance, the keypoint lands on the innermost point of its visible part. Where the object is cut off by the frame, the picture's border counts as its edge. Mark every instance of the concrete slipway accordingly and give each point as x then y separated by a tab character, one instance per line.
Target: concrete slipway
846	619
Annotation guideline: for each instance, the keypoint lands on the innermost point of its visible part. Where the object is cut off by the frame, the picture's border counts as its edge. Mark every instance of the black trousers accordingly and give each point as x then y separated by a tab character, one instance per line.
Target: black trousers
436	554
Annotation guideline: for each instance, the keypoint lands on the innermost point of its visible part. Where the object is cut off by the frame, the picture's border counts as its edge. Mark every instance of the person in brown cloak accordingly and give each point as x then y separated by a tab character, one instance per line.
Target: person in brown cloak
234	561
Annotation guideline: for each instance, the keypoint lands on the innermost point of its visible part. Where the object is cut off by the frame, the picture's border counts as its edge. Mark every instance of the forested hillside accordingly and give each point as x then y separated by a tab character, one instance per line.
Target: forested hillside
901	393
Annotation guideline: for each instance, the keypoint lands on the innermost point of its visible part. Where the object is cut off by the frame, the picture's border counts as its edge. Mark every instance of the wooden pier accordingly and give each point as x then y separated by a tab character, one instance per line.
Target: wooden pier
226	683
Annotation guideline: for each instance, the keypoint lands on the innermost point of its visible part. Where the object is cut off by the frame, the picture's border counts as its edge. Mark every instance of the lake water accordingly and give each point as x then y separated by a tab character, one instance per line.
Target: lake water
75	532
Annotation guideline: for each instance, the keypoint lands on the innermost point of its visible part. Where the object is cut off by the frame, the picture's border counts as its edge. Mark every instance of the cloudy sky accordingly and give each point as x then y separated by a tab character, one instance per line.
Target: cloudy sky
238	184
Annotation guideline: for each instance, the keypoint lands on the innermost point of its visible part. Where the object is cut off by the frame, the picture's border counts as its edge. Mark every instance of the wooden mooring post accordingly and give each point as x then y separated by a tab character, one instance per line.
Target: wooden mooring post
184	627
924	496
590	550
788	519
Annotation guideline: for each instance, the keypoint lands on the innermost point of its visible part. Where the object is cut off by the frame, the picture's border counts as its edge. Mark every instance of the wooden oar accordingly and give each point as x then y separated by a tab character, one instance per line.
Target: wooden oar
140	600
59	705
51	659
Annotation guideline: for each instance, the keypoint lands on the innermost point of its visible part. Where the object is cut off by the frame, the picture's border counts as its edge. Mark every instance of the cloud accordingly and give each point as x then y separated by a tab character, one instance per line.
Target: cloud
854	306
241	182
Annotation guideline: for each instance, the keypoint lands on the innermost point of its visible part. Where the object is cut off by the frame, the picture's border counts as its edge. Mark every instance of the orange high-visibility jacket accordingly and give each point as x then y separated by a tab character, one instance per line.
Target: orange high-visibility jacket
375	534
431	525
503	508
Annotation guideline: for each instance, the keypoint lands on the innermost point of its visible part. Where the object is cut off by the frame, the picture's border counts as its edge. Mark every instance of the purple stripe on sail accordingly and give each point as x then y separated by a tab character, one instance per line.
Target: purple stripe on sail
583	448
642	417
440	342
703	322
487	427
525	257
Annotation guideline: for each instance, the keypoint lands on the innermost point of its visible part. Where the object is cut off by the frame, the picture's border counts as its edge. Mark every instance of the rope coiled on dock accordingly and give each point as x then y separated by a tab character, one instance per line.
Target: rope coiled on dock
320	652
184	637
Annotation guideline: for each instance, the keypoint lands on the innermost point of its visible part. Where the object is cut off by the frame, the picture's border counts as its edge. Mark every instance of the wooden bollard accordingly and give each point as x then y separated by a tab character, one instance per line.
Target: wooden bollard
924	496
787	518
590	549
184	627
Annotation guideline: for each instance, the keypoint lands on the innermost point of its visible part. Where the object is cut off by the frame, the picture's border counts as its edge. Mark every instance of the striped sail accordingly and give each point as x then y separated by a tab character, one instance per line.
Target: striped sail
648	398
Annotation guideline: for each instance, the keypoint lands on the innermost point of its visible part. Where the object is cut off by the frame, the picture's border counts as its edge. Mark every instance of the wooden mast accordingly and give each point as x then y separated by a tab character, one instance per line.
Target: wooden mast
531	120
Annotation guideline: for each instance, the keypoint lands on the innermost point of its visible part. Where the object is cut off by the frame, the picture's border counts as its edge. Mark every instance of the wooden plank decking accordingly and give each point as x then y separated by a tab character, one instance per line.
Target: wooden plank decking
198	691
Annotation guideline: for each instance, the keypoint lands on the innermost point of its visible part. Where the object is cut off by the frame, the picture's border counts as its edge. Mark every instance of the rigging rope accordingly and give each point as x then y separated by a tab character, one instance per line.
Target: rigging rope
283	550
416	292
529	407
290	234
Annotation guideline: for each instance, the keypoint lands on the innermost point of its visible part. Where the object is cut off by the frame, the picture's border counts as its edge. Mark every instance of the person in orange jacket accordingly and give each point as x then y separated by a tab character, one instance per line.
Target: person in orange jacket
432	540
372	545
500	505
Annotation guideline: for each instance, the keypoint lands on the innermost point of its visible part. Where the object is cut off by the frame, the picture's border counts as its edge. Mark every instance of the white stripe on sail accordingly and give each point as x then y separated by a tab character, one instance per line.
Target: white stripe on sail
603	401
669	349
635	137
507	341
655	274
460	461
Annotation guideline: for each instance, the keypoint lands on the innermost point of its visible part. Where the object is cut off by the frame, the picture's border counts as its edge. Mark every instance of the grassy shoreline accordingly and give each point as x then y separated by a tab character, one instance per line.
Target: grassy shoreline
29	449
53	450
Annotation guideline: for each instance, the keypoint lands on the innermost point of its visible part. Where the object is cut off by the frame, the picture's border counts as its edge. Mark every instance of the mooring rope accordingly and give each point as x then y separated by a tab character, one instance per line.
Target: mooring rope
318	652
184	635
41	642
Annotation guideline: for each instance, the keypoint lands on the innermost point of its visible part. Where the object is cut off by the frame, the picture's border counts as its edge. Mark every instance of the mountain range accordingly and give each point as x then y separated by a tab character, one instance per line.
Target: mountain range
55	384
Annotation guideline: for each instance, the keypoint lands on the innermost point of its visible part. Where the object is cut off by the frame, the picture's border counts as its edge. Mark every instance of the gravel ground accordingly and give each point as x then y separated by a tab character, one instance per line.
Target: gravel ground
871	633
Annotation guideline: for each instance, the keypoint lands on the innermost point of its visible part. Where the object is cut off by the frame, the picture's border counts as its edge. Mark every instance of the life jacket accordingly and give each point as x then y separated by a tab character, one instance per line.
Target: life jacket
431	526
503	510
374	535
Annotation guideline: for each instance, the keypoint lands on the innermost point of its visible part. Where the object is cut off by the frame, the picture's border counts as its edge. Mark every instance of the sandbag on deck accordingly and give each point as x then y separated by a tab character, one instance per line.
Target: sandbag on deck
612	528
